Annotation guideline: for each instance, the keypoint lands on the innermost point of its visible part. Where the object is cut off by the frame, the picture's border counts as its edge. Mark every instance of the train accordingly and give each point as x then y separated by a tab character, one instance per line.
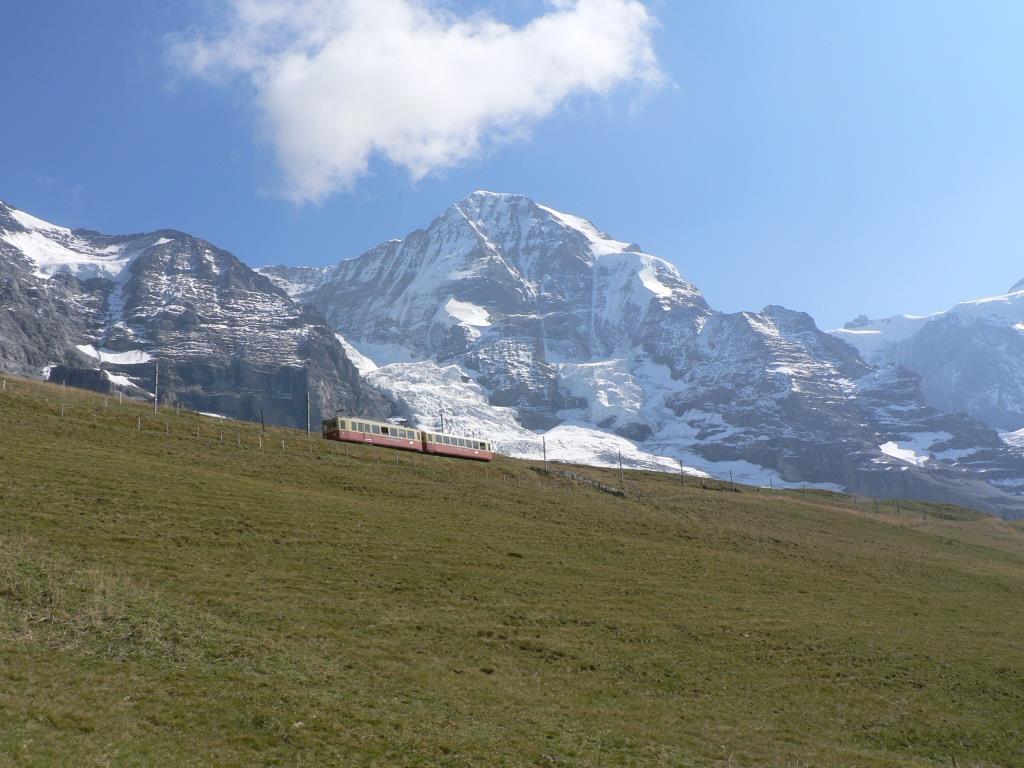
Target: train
354	430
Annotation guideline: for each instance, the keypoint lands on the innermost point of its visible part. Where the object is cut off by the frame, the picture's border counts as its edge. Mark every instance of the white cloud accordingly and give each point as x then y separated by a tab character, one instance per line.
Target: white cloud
339	81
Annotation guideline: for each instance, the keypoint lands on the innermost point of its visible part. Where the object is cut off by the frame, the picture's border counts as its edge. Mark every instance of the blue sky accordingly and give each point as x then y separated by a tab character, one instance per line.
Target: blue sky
828	156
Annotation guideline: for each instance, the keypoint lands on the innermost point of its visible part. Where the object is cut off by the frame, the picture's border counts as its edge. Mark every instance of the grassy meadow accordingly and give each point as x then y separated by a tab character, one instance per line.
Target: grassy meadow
171	598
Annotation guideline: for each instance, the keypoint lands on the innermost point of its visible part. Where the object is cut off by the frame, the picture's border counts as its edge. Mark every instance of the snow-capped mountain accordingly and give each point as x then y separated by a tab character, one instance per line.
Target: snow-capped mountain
516	322
514	319
970	358
101	311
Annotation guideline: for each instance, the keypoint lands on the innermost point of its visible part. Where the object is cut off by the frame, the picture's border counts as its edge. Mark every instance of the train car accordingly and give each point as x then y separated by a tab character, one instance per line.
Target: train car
462	447
369	432
349	430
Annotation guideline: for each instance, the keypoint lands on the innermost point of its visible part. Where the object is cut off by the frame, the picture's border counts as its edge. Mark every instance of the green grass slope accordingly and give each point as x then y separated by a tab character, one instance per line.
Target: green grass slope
180	600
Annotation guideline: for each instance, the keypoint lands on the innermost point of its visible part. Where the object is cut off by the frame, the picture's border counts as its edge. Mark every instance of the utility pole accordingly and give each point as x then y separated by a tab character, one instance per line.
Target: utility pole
263	424
682	475
544	445
771	485
732	486
307	414
156	389
622	478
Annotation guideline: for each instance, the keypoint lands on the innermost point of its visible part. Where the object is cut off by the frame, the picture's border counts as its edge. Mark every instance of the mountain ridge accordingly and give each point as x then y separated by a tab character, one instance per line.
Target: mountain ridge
970	357
98	310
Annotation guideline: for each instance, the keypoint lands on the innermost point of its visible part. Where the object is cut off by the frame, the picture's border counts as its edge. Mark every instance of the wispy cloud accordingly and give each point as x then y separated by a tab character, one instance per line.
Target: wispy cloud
339	81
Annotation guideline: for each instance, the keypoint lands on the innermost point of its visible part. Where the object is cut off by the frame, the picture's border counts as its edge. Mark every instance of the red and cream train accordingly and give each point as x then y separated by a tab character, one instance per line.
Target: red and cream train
349	430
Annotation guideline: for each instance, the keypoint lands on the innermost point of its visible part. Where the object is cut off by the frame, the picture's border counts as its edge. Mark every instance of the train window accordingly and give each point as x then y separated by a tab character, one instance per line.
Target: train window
375	429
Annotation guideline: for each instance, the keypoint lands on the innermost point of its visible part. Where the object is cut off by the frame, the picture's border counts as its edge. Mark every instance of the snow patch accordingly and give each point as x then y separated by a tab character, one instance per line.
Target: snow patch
651	283
31	222
600	243
609	388
120	381
466	313
362	363
1013	439
903	454
131	357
